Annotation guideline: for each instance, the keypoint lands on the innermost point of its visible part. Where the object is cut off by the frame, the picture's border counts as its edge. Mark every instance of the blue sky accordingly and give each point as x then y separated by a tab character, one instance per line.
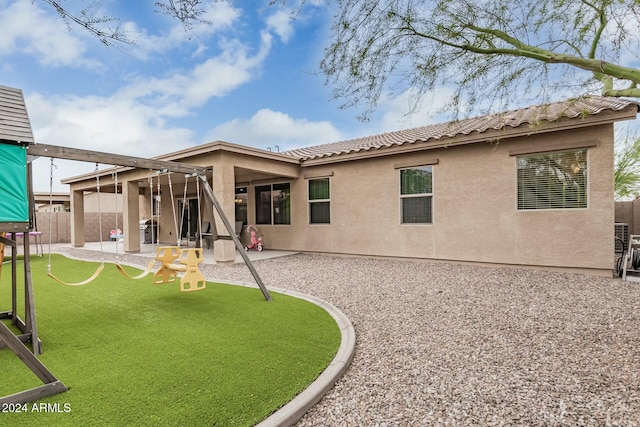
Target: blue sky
248	78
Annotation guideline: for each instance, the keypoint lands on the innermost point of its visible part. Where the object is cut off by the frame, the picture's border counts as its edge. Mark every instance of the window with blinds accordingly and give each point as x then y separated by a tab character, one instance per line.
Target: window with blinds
552	181
416	195
319	201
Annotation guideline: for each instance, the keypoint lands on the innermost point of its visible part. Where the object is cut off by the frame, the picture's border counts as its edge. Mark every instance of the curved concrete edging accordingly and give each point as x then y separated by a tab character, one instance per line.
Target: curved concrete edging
290	413
295	409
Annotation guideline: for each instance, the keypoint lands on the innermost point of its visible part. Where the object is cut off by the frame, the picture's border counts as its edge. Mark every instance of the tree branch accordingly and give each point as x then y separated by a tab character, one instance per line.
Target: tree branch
91	23
186	11
602	17
598	67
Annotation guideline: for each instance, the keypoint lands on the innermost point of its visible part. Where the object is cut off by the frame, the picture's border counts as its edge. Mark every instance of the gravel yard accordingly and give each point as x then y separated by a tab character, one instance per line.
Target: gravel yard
446	344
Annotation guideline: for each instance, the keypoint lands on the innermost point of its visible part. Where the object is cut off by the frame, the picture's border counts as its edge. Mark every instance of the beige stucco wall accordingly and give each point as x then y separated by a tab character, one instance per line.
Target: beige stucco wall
475	215
105	202
474	204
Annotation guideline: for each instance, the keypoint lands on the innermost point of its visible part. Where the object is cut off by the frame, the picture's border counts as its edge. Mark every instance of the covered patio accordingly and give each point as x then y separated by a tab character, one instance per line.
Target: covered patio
174	201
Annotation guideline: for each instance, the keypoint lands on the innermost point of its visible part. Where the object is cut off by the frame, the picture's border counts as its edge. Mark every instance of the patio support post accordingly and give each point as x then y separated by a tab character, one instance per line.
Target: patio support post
130	216
223	185
77	218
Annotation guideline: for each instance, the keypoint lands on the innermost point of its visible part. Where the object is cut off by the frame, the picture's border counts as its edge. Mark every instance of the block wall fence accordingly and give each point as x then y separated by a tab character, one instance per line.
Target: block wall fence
61	226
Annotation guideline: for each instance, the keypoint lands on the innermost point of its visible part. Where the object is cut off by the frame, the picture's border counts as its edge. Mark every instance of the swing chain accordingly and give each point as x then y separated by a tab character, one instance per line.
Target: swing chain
99	210
199	211
97	179
51	168
53	165
114	176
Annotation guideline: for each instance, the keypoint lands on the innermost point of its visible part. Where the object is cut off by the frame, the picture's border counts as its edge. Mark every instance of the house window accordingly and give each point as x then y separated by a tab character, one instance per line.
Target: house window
273	204
416	195
319	201
241	204
281	202
189	213
155	204
552	181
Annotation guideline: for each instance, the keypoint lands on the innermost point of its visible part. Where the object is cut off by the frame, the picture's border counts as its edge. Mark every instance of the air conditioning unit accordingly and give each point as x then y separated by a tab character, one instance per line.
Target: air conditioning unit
621	231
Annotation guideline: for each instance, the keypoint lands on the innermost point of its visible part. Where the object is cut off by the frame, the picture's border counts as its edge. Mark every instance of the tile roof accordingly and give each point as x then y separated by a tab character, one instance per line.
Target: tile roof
14	120
574	108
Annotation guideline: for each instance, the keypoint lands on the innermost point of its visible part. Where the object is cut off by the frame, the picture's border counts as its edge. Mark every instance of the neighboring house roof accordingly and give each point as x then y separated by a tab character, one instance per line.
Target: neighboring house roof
55	198
534	115
14	120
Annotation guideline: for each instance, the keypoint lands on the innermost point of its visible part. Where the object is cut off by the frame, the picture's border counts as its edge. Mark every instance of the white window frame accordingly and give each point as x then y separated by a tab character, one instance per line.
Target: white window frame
310	202
406	196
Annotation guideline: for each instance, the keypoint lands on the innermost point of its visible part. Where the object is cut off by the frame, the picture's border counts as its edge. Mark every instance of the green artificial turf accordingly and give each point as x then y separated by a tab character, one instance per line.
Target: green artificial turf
135	353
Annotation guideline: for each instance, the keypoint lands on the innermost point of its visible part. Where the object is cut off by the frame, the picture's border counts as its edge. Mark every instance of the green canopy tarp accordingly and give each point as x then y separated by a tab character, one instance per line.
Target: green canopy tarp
14	196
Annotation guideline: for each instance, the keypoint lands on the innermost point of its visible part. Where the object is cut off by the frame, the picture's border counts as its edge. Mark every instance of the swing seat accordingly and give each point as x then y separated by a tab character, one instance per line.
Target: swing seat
166	255
192	280
188	261
150	266
178	267
82	283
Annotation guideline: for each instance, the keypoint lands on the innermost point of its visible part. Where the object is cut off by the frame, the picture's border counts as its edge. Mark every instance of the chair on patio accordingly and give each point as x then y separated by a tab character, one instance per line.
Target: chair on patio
207	235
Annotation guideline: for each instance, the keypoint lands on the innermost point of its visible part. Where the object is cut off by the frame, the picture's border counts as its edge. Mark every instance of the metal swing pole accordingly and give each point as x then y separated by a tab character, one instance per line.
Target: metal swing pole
209	193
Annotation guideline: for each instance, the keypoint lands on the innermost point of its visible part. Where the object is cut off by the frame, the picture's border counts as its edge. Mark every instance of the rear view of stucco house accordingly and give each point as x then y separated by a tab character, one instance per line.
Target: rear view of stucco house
530	187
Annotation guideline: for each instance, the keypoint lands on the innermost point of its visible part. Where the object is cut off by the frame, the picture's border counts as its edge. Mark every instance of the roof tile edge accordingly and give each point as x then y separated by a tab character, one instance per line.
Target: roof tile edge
536	114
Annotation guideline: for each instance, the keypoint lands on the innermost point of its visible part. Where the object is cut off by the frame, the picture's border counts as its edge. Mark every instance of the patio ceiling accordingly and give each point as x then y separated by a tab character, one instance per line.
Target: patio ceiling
245	176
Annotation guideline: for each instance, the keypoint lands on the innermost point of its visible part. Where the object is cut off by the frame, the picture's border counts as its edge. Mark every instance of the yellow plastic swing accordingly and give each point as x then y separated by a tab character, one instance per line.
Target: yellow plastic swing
150	268
84	282
101	266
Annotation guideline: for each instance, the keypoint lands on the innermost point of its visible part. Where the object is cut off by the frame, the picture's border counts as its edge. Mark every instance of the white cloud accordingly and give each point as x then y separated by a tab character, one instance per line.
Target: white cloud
27	28
221	16
114	125
281	23
268	128
177	93
402	111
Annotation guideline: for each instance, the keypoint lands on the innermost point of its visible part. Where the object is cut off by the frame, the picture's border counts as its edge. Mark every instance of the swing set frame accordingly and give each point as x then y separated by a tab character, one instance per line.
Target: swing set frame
51	385
68	153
